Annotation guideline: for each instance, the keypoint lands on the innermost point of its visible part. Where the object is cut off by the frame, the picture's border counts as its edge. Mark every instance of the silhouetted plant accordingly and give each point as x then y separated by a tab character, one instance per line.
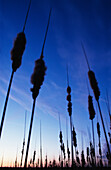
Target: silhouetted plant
96	91
37	79
70	115
100	152
108	107
16	57
88	155
83	159
77	157
46	162
34	154
23	140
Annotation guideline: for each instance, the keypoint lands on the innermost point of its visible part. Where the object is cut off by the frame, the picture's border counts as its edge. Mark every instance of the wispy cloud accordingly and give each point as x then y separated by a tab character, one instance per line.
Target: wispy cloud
17	95
16	99
21	97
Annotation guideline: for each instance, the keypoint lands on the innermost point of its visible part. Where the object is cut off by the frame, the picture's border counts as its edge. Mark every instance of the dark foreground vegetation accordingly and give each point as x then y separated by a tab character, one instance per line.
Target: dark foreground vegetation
56	168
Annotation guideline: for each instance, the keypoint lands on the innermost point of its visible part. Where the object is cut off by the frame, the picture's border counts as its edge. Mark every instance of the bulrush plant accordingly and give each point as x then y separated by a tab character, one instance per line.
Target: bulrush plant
77	158
100	152
23	141
82	159
87	157
62	146
91	117
37	79
70	115
96	91
108	108
46	161
33	161
74	138
92	154
75	145
68	151
16	57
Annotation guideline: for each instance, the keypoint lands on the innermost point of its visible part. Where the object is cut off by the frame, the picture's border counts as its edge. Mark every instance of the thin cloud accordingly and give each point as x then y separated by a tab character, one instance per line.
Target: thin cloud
16	89
14	98
25	103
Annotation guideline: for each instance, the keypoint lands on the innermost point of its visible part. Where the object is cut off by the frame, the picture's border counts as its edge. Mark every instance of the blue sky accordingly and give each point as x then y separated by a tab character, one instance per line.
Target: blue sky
72	21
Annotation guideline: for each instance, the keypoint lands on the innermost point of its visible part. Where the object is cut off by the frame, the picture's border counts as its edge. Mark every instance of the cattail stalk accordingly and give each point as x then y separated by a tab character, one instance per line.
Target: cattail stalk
71	141
6	101
26	16
103	128
29	136
74	141
100	153
93	135
23	140
70	115
94	86
91	115
108	107
60	136
68	152
16	63
37	79
93	140
41	164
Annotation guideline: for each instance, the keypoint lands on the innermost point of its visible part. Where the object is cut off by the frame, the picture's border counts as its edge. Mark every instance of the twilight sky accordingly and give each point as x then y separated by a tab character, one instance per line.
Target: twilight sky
72	21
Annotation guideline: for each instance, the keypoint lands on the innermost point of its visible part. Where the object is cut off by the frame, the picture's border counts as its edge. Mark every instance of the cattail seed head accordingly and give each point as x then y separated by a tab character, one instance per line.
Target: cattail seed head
74	137
87	151
68	89
94	84
77	159
60	136
37	77
34	156
69	97
68	151
70	110
17	50
98	129
91	108
63	148
82	158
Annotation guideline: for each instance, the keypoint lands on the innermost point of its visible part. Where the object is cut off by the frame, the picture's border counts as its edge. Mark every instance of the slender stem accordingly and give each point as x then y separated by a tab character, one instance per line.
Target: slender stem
93	135
87	86
6	101
67	76
29	136
22	152
26	16
100	148
85	55
23	140
67	140
93	140
108	106
59	121
75	154
103	127
46	32
71	142
40	146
